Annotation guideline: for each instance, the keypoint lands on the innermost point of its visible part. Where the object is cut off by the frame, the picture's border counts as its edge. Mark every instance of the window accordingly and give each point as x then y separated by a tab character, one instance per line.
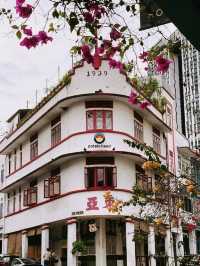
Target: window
34	147
198	241
171	161
99	119
55	131
14	201
8	203
15	160
30	194
2	173
187	204
156	140
52	184
20	155
142	180
100	177
20	198
138	127
169	116
9	163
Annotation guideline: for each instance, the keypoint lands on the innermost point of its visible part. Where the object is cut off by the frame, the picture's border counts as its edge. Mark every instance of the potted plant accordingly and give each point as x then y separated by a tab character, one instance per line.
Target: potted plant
78	247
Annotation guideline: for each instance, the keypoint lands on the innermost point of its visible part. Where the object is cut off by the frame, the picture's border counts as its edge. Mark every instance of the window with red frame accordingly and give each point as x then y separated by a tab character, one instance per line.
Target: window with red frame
30	196
33	146
52	185
100	177
55	131
142	180
99	119
138	127
156	140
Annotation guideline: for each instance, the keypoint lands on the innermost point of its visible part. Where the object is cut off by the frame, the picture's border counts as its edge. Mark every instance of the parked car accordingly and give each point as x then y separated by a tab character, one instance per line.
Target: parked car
25	262
6	260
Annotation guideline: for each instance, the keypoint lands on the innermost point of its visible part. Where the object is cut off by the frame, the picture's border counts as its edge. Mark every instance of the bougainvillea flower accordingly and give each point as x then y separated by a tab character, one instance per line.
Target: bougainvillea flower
24	11
143	56
88	17
43	37
87	54
96	60
191	227
115	34
29	42
19	2
162	64
27	32
132	98
115	64
144	105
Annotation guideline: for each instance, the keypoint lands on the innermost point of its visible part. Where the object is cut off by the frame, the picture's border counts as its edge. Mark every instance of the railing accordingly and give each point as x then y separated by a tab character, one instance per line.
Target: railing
142	261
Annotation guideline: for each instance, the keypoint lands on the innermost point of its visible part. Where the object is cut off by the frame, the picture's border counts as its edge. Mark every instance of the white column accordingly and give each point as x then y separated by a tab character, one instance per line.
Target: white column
5	244
119	245
45	241
24	244
169	246
100	242
192	242
179	241
130	244
71	237
151	245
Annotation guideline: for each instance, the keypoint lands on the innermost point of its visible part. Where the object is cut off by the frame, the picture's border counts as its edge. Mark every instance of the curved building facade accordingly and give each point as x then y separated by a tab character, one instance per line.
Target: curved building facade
62	156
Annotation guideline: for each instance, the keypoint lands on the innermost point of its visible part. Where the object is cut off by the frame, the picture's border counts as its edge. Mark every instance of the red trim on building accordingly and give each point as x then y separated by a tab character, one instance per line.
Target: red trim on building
65	195
75	134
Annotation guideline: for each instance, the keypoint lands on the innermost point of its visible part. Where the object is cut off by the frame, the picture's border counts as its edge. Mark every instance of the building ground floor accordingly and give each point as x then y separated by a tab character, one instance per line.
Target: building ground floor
108	241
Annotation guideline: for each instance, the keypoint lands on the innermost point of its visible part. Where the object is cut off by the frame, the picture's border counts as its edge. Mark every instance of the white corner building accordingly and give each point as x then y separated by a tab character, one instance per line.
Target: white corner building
63	155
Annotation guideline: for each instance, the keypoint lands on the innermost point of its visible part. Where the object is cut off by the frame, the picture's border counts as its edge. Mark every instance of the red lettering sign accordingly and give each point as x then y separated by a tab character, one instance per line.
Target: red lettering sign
92	204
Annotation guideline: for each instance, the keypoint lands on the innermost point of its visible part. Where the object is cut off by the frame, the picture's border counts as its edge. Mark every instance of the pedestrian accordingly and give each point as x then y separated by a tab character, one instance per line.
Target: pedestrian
53	259
46	257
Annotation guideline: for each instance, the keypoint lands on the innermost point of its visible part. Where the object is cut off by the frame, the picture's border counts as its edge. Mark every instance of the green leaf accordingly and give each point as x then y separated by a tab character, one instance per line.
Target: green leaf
19	34
123	28
55	14
15	27
73	21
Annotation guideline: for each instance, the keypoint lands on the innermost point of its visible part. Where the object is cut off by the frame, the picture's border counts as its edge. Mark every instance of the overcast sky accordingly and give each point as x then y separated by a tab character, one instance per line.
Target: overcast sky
23	71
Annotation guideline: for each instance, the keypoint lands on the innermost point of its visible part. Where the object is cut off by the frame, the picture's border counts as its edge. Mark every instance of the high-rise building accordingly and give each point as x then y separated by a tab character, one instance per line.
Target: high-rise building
183	79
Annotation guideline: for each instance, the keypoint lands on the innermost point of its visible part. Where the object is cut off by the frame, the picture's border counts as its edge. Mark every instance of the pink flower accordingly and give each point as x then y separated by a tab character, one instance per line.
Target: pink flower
132	98
146	68
115	34
29	42
19	2
24	11
87	54
162	64
143	56
27	31
115	64
144	105
88	17
96	60
43	37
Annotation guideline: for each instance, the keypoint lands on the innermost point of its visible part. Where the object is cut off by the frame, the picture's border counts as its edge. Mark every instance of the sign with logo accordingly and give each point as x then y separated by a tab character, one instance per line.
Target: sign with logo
99	139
